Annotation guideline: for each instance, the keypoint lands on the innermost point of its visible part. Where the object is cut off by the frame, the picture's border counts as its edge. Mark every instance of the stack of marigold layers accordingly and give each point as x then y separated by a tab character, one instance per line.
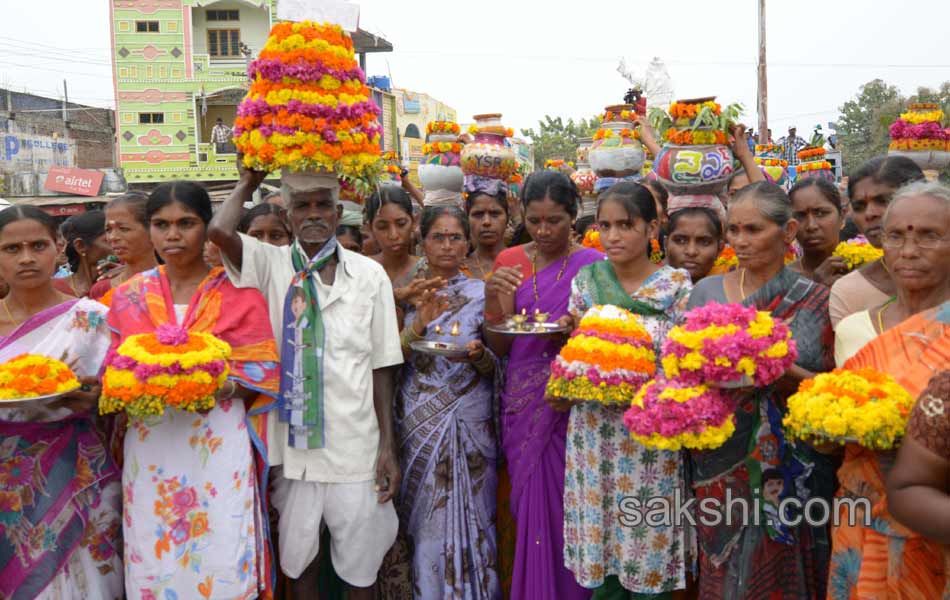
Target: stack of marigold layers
920	135
171	368
34	375
609	356
863	406
718	345
308	107
769	158
813	164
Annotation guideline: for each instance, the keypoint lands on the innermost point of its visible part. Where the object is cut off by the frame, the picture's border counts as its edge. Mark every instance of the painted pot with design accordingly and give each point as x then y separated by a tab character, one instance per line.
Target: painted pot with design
582	154
616	150
489	155
441	163
584	179
694	169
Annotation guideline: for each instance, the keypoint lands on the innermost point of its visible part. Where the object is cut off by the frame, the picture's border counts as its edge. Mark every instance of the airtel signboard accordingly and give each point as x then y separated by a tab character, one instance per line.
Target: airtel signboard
74	181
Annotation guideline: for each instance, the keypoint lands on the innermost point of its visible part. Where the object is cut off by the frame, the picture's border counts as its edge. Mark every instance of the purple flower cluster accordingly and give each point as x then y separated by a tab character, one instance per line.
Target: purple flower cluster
143	371
670	418
171	335
931	130
274	70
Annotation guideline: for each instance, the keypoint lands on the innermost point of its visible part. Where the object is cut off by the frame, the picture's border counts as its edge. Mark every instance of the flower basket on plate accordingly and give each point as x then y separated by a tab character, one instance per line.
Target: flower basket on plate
169	368
609	356
728	345
864	406
34	376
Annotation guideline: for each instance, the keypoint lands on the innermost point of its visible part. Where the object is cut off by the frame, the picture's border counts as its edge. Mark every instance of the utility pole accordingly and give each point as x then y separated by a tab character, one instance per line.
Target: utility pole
65	102
763	92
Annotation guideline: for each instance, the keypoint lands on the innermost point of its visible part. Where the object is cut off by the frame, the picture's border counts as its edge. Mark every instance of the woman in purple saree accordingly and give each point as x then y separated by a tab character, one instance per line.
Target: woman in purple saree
537	277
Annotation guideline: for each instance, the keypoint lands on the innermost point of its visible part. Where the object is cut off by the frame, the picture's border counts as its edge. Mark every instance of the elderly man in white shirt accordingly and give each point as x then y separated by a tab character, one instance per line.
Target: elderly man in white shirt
334	319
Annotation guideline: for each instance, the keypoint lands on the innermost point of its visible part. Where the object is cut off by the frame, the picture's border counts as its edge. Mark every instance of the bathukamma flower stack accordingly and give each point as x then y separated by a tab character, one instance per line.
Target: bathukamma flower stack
308	107
609	356
169	368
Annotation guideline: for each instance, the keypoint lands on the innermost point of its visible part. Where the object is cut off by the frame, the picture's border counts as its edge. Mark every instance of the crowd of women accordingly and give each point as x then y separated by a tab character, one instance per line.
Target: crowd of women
504	493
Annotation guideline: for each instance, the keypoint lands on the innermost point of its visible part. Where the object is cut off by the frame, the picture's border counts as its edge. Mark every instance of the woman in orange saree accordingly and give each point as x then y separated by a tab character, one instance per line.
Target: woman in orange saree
885	560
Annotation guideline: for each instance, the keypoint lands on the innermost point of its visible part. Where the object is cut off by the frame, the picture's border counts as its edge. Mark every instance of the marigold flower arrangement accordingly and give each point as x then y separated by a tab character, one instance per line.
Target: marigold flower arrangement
552	163
609	356
864	406
771	162
920	130
308	106
923	115
810	153
507	131
626	132
592	240
728	261
623	115
442	148
443	127
683	110
814	165
34	375
766	148
686	137
171	367
722	344
857	251
670	415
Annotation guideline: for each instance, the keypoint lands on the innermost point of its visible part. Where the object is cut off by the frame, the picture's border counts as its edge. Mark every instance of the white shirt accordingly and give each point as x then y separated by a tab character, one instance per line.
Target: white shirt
361	334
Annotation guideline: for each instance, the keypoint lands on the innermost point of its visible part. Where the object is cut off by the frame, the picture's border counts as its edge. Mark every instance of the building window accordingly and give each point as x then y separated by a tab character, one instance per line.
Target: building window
412	131
146	26
224	43
222	15
151	118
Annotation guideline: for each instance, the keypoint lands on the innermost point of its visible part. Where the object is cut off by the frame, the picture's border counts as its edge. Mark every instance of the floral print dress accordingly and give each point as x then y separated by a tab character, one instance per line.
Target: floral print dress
605	466
192	517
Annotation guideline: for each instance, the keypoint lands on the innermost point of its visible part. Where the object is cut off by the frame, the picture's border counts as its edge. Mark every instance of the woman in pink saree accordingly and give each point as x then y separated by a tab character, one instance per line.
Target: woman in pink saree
537	276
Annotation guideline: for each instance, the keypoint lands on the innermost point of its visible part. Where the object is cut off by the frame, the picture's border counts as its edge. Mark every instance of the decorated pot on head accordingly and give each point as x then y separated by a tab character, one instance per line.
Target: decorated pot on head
770	161
391	168
582	154
489	155
813	163
919	134
441	163
616	150
696	157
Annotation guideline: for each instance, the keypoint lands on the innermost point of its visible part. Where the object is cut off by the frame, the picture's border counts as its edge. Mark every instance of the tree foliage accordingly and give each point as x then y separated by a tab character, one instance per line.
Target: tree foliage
863	127
558	140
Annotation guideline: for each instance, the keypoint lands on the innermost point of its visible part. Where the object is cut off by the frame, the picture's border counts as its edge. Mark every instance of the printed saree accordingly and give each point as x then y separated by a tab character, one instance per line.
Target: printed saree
887	560
60	502
751	558
194	485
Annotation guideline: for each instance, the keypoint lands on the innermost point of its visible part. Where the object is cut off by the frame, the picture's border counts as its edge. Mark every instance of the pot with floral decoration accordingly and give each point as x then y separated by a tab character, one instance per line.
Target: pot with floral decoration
391	168
489	155
813	163
584	177
919	134
696	157
769	158
616	150
441	164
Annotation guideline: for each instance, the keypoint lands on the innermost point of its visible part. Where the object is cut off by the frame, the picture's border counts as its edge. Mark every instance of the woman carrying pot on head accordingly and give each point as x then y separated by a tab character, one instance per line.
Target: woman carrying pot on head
127	233
907	337
870	189
816	205
194	482
445	420
60	493
537	277
86	245
749	562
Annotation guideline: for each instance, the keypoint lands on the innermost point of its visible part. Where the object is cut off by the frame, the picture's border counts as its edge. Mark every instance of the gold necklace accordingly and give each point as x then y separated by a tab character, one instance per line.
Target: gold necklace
9	314
880	315
534	269
742	284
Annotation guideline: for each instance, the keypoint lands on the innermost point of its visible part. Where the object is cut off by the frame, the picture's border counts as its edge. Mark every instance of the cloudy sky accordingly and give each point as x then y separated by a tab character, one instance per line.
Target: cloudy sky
526	58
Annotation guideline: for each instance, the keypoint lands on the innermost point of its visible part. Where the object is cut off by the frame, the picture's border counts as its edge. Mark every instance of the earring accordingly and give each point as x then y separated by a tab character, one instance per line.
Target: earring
656	254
